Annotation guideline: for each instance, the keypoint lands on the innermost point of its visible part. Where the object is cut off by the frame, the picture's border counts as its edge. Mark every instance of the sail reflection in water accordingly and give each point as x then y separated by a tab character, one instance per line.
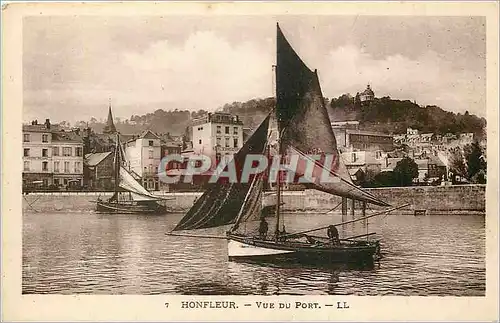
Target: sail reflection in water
114	254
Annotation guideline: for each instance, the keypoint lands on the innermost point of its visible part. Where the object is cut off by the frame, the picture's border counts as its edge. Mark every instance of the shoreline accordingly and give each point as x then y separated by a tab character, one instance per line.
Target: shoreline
459	199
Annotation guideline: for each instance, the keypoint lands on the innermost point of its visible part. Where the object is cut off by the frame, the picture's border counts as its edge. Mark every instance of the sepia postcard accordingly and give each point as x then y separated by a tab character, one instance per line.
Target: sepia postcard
250	161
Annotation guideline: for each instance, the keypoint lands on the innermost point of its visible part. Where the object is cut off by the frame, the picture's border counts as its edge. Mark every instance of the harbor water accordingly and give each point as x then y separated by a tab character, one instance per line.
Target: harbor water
89	253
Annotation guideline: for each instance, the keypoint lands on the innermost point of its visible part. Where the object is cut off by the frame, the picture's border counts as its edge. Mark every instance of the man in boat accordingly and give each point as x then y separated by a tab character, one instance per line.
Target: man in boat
263	227
333	234
282	234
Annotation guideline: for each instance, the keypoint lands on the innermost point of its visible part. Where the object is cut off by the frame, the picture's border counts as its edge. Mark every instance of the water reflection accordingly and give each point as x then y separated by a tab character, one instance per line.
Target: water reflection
113	254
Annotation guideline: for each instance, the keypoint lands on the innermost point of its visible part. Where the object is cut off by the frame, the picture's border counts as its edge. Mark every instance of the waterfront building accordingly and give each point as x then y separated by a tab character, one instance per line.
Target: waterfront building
67	156
98	171
217	134
51	156
144	154
359	163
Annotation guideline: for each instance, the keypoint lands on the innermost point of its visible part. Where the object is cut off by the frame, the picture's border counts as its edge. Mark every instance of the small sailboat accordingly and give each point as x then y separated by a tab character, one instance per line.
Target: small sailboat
129	197
303	130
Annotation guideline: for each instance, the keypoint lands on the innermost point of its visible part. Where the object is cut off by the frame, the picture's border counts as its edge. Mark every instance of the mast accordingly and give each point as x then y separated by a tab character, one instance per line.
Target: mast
278	198
117	165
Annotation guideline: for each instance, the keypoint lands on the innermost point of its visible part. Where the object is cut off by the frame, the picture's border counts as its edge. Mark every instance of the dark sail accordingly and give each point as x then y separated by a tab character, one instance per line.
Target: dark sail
303	120
221	204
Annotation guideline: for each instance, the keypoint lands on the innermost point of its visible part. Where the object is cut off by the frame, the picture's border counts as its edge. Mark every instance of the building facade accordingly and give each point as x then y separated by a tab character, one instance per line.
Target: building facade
144	154
216	135
98	171
351	139
52	158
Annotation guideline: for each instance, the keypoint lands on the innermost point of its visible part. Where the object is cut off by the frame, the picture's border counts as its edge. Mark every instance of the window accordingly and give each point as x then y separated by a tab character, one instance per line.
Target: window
45	166
151	143
56	181
235	140
227	130
55	151
150	154
77	167
199	141
66	151
227	142
219	129
26	137
26	165
79	151
66	167
353	157
235	130
26	152
217	157
45	138
218	141
56	167
45	152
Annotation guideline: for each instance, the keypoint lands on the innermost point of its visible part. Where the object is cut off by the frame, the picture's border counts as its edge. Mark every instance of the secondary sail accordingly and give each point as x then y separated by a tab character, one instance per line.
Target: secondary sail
130	184
221	203
304	123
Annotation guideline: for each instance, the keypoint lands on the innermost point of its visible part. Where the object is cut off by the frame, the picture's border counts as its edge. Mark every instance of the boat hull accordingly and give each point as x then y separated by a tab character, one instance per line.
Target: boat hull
242	248
107	207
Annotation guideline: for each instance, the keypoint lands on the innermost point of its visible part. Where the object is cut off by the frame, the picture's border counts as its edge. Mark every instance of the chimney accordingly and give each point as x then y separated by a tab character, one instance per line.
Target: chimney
47	123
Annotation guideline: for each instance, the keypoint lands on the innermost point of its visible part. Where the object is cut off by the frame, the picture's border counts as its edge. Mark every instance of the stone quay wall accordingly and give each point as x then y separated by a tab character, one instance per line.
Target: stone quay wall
467	199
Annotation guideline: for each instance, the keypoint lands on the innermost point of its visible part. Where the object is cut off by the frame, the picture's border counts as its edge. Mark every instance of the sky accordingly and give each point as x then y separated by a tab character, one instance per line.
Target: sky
73	65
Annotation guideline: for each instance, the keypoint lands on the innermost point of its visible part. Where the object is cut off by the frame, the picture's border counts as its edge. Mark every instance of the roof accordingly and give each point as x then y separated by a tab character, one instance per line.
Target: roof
66	136
95	158
422	163
148	134
367	133
40	128
436	161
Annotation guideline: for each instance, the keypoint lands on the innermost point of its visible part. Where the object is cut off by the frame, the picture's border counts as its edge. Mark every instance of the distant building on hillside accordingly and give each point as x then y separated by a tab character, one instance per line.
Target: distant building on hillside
410	131
367	95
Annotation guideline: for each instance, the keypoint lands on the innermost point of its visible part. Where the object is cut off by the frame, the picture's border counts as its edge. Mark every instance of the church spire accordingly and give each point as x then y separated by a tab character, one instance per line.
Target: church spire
110	125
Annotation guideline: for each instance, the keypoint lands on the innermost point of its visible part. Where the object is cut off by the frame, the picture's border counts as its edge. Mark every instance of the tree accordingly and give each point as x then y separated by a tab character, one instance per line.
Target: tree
475	160
457	163
405	171
469	163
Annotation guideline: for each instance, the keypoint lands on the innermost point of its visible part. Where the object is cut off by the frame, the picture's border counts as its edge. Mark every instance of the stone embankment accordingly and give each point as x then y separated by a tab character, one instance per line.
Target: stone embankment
464	199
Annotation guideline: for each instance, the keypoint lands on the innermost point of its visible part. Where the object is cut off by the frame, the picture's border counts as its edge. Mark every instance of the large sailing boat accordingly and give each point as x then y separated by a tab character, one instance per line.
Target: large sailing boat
303	128
129	197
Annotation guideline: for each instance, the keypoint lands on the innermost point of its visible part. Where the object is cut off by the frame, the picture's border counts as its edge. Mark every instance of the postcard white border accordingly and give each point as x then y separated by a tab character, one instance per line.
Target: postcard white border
84	307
